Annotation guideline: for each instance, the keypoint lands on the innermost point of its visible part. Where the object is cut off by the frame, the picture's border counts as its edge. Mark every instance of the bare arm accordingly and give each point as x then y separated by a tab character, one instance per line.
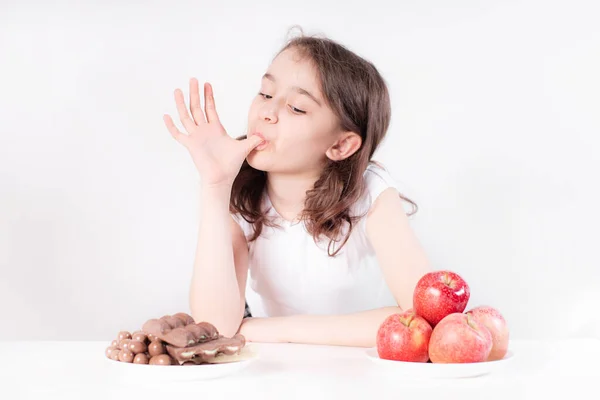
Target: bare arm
358	329
217	290
401	257
220	266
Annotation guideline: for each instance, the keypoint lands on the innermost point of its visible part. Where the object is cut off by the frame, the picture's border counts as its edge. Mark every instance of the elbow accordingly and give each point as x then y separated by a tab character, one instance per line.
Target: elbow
230	331
226	326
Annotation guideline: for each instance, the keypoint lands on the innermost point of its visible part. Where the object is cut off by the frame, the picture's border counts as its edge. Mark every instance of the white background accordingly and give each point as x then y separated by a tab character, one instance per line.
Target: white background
494	135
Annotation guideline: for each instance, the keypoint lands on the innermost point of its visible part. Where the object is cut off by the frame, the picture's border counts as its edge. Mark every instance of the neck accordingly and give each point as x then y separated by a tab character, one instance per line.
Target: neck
288	193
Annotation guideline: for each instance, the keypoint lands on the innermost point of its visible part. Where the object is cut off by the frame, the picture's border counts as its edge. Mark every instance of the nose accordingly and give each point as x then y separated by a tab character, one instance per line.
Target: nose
268	113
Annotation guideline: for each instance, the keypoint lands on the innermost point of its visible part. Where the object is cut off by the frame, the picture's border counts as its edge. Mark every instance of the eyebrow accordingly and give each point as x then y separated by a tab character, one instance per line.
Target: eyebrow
295	88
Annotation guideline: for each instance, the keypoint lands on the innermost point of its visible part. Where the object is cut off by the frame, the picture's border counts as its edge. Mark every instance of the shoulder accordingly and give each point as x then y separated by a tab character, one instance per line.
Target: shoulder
384	200
387	219
381	194
377	180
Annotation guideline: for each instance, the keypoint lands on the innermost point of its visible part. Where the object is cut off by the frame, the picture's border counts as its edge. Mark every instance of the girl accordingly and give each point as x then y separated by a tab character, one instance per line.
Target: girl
298	224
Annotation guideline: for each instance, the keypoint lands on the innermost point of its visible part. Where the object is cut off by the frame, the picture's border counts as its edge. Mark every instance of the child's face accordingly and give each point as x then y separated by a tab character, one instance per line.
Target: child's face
291	114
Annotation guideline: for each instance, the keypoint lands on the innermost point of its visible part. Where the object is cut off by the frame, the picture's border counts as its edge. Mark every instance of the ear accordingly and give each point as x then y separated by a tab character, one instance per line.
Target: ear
347	144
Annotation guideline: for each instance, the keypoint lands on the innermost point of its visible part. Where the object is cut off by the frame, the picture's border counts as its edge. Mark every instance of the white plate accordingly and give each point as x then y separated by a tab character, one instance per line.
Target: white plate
130	373
432	370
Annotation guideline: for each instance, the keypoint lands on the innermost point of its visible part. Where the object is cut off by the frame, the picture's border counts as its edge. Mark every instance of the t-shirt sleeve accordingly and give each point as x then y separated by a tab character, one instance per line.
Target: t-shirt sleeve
378	179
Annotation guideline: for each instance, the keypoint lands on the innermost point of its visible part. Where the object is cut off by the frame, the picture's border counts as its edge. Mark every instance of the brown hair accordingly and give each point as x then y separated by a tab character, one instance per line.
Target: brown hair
358	96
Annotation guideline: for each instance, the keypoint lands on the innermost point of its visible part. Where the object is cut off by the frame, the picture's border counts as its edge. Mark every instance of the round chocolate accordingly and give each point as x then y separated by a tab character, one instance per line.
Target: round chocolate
123	335
162	359
137	347
124	344
110	350
152	338
114	343
141	358
140	337
126	356
115	355
156	348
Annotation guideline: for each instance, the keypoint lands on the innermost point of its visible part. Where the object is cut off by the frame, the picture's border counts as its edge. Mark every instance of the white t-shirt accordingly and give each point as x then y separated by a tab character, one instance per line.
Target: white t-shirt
288	273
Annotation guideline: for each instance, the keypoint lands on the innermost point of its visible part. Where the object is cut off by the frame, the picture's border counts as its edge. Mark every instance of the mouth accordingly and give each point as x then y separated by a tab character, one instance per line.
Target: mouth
263	145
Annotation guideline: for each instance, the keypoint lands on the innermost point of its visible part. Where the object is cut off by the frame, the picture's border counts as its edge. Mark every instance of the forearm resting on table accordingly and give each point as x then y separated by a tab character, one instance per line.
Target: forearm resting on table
214	290
358	329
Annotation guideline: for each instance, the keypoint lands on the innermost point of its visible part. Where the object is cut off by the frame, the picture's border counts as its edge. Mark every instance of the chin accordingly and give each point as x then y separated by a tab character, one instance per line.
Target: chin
260	161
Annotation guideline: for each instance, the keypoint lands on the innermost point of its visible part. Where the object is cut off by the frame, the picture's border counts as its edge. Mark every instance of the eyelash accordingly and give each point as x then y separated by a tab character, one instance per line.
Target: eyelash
294	109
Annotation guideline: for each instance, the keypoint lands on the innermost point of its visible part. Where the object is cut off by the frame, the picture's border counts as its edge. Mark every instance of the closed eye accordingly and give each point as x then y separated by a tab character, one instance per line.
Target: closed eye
297	110
292	108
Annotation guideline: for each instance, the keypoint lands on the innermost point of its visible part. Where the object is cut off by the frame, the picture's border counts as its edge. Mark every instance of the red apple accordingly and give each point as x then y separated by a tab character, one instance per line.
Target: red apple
440	293
459	338
404	337
493	320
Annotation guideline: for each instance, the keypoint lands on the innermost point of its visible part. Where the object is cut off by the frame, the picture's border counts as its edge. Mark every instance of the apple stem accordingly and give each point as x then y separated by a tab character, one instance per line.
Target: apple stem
470	322
447	280
406	320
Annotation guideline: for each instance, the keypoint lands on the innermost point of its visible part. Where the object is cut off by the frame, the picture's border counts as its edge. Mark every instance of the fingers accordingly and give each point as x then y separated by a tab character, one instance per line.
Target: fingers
195	108
184	116
251	143
209	104
180	137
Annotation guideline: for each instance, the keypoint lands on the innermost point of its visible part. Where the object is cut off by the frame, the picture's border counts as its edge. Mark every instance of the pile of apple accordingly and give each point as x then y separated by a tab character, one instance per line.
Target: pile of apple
438	330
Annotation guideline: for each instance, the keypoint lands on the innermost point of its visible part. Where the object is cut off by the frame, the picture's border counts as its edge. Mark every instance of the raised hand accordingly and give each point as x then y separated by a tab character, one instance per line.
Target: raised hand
217	156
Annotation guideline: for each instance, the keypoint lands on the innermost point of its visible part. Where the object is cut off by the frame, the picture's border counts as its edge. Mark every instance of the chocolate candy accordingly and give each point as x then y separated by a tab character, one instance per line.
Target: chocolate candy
205	351
140	337
180	331
141	358
156	348
163	359
110	350
126	356
137	347
173	340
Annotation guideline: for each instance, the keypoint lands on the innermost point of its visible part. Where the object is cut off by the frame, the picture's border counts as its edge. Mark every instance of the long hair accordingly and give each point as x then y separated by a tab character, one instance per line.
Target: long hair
357	94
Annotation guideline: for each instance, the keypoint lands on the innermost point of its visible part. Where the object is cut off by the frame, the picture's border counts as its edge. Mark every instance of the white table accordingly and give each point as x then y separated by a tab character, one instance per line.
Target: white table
78	370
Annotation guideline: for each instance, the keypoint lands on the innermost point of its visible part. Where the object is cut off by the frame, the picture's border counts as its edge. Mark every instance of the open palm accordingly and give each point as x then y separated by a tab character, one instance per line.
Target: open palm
217	156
